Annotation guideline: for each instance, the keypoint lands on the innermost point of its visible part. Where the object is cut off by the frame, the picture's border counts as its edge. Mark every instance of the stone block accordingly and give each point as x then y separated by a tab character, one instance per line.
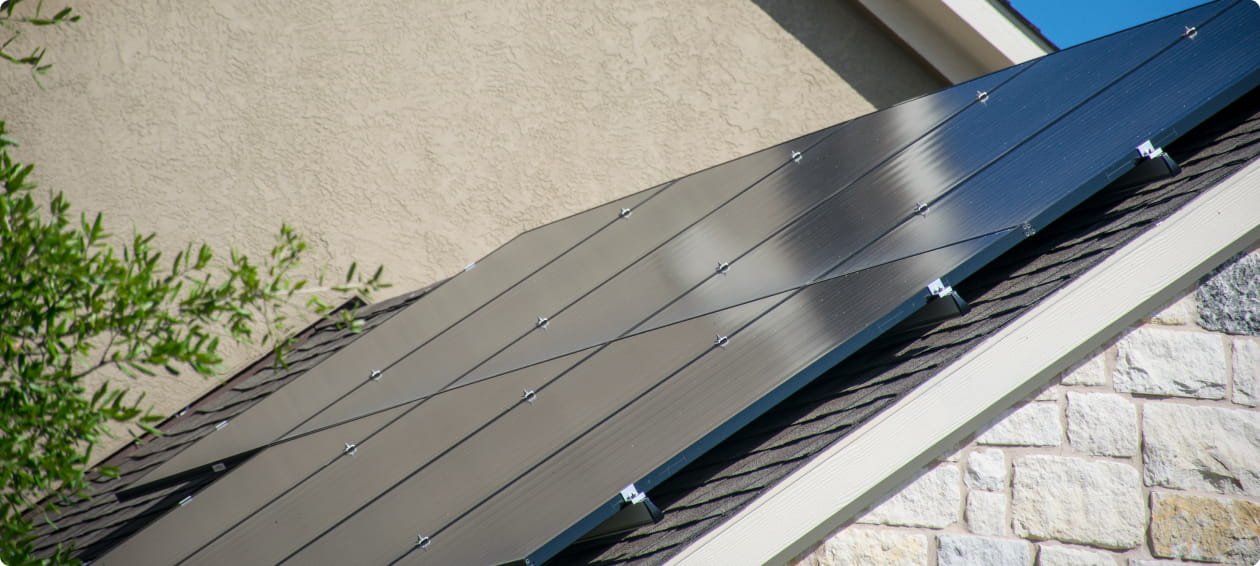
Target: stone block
1102	424
1075	500
877	547
1034	424
1201	448
1229	298
986	513
1181	312
1051	393
968	550
1246	372
1054	555
986	469
1205	528
1155	361
1092	372
932	501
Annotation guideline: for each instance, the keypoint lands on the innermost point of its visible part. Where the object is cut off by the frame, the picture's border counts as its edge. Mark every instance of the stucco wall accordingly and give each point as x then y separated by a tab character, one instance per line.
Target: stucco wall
1147	454
421	135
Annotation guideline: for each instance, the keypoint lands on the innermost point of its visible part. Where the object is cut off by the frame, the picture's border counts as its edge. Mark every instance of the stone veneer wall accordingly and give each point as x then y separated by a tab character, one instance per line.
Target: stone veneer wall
1146	454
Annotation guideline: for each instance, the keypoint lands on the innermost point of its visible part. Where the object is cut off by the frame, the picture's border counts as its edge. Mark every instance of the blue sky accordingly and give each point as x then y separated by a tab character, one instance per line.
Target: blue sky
1069	22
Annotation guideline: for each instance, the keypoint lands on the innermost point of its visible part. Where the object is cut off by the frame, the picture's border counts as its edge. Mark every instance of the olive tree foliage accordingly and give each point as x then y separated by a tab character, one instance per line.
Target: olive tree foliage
77	303
14	25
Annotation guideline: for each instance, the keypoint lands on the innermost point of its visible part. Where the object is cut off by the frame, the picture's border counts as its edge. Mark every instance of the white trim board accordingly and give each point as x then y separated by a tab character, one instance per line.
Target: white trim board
961	39
886	453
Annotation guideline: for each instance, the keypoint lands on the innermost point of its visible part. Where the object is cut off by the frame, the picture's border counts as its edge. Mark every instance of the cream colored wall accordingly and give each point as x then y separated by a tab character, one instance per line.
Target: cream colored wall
421	135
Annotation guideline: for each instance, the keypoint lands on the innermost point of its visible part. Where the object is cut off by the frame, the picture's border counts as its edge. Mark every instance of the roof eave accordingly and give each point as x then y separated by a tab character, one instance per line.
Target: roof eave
857	472
961	39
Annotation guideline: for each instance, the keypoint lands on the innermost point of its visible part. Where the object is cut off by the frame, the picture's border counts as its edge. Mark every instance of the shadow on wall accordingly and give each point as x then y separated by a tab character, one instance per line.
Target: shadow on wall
856	47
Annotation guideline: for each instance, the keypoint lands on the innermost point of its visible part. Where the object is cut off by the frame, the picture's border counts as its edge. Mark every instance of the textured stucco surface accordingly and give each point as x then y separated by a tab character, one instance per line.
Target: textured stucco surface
423	135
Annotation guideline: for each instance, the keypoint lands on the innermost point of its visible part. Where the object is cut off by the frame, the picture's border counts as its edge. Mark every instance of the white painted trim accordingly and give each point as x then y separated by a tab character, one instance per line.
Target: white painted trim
886	453
961	39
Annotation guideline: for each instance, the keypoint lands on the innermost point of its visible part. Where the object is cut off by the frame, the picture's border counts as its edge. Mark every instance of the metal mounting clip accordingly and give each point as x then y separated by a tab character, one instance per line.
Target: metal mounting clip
1149	151
939	288
982	97
796	156
1190	33
632	495
625	213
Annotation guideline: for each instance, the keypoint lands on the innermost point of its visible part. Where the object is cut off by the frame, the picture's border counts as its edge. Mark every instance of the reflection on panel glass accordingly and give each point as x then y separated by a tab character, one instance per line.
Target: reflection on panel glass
443	361
836	166
641	432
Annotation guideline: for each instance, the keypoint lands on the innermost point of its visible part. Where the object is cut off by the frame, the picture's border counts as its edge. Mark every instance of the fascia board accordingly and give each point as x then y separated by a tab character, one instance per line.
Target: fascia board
961	39
893	448
1012	39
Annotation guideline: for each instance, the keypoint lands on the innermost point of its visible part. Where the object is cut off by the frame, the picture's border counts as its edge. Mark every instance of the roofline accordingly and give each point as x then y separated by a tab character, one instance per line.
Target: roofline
860	470
962	39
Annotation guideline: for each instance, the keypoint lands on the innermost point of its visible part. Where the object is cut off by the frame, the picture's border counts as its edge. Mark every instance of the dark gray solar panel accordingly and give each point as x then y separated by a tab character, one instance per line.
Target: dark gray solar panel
611	420
626	384
826	173
348	370
440	363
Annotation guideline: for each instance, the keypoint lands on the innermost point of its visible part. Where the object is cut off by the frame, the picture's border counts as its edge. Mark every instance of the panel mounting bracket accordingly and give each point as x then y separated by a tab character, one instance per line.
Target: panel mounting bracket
943	303
636	510
1153	164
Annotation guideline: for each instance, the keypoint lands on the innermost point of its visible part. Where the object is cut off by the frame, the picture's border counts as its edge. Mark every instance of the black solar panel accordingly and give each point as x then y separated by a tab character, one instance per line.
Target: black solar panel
495	436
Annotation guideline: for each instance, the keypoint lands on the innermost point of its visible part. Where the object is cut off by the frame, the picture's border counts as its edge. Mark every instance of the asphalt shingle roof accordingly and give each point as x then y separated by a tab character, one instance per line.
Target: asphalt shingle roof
722	481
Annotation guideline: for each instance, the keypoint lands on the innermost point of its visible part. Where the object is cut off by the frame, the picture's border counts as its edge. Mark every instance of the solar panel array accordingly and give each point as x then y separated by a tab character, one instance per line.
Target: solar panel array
497	419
